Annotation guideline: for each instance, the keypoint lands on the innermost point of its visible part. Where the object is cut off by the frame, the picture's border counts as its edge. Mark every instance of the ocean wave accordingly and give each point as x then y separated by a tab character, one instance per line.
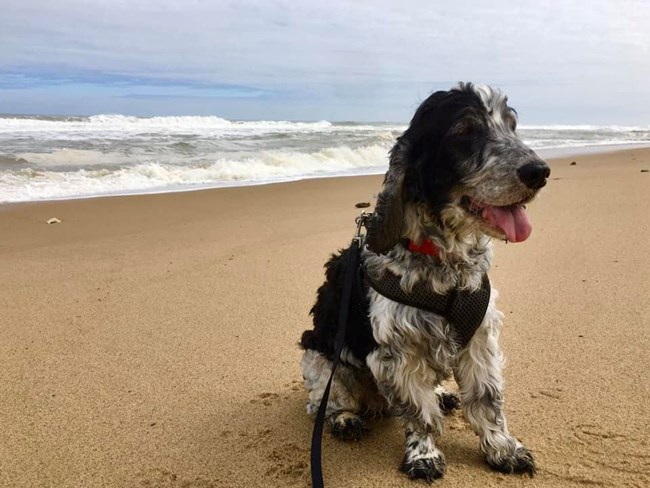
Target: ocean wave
585	128
44	157
9	161
580	143
197	122
129	125
268	166
73	157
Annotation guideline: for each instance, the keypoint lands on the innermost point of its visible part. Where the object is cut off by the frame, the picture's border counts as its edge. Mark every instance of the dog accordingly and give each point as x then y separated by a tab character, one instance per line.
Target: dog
458	177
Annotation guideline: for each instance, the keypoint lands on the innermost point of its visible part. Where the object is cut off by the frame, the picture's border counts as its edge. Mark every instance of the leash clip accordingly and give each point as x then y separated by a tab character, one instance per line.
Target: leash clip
361	222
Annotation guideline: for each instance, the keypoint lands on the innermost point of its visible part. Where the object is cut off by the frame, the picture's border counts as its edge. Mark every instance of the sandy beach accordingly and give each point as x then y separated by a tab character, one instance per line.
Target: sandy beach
151	341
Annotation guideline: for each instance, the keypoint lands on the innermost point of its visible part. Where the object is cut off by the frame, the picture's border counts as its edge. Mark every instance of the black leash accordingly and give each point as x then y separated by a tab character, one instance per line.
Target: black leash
351	270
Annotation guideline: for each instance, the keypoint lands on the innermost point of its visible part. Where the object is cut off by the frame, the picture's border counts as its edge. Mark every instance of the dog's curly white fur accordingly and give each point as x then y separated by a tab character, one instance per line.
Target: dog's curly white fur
458	176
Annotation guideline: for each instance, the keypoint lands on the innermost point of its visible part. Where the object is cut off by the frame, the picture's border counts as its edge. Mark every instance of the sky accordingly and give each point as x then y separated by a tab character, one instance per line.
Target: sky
564	62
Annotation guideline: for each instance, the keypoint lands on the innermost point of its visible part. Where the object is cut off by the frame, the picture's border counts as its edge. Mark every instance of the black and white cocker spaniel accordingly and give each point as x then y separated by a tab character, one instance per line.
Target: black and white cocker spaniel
458	177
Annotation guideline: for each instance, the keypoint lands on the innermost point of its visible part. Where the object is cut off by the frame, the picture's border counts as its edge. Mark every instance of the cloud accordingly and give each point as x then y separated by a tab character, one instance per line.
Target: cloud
183	96
145	87
356	54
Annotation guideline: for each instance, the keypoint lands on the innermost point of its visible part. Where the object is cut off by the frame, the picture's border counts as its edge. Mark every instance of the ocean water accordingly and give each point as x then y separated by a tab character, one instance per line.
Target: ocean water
44	157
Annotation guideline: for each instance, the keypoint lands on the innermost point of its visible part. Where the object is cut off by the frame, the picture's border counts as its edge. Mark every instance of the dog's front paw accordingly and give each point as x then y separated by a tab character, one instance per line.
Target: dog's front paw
428	469
519	461
347	426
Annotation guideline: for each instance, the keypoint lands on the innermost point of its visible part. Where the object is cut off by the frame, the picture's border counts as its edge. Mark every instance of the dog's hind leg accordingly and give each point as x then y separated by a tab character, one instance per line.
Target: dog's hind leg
350	394
478	374
408	384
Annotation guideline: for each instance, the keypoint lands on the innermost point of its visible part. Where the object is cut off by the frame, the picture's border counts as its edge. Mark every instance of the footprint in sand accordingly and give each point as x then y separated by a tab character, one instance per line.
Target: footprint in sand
288	464
265	399
163	478
605	457
287	461
295	385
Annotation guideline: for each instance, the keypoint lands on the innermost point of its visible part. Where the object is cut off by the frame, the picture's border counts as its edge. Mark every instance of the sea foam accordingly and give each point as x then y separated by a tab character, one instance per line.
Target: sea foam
28	184
46	157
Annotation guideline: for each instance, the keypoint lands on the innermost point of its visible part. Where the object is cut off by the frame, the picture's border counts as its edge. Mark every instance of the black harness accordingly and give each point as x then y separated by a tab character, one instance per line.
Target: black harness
462	309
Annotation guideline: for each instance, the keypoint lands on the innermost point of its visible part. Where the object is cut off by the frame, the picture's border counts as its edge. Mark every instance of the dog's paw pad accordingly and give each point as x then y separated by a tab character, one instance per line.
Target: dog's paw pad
427	469
521	461
448	402
347	426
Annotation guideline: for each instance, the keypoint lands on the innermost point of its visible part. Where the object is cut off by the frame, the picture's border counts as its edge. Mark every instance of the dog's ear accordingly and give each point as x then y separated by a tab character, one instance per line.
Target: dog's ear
385	225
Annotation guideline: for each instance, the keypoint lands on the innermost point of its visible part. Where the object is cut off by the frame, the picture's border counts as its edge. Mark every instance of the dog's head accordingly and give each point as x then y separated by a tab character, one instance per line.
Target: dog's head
461	166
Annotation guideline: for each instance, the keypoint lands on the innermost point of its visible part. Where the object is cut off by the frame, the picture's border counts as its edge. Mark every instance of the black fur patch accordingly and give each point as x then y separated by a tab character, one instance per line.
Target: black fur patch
448	128
358	339
448	402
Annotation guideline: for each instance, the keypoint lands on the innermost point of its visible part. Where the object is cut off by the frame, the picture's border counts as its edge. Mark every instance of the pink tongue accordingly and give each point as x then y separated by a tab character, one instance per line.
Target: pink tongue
512	221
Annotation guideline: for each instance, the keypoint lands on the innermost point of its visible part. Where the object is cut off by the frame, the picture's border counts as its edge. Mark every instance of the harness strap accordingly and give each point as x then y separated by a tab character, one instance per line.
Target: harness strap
351	269
464	310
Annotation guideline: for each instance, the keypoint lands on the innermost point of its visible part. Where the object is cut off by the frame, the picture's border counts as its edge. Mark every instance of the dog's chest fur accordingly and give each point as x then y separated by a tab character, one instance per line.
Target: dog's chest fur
417	335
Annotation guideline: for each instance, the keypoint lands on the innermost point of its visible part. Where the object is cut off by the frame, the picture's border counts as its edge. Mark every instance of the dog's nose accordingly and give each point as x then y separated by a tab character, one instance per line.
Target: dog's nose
534	175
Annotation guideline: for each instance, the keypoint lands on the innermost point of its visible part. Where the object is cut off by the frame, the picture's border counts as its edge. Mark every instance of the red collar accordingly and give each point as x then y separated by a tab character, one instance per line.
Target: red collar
425	247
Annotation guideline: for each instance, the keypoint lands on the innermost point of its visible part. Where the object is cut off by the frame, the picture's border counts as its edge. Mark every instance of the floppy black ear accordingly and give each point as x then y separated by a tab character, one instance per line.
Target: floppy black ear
417	169
385	225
